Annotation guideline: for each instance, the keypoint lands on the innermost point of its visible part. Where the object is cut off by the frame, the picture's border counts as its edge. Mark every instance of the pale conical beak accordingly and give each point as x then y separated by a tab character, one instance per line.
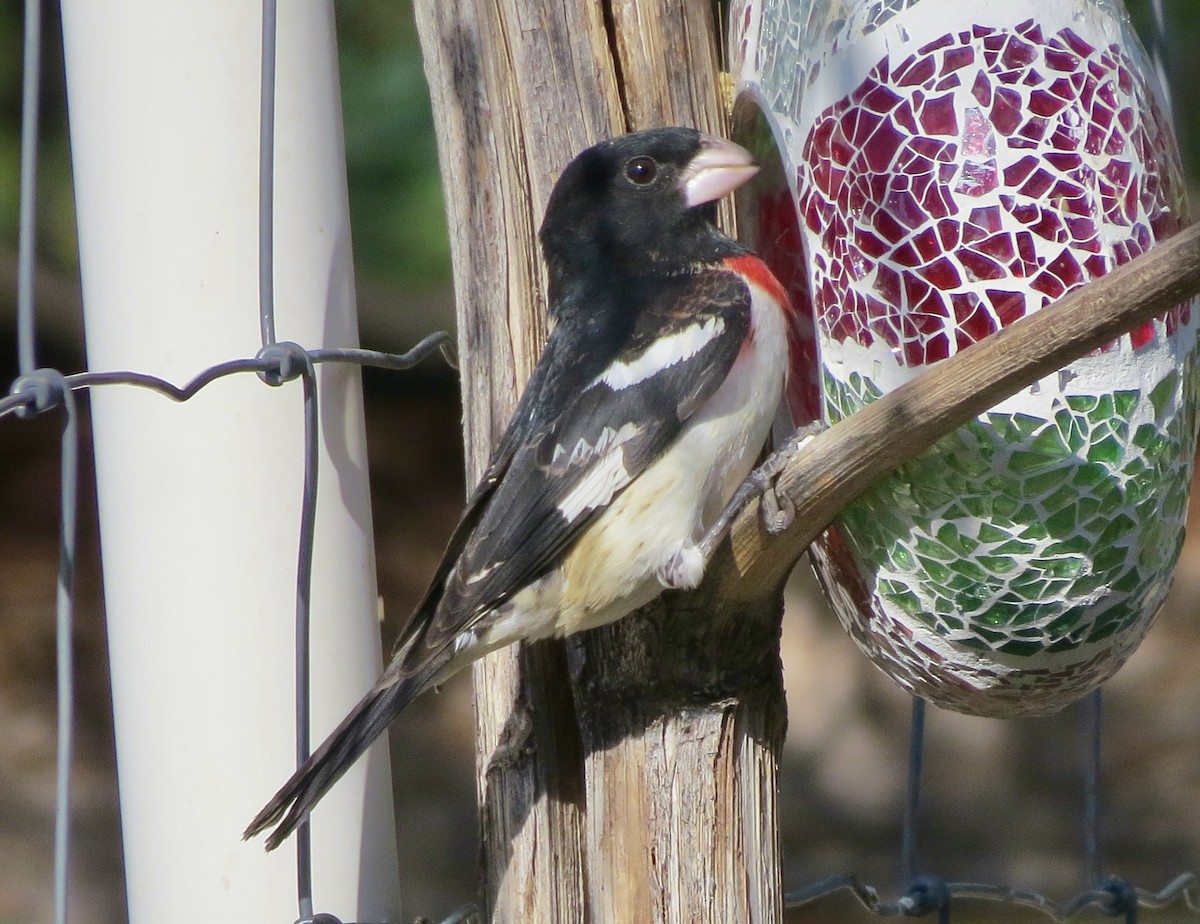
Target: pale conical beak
717	170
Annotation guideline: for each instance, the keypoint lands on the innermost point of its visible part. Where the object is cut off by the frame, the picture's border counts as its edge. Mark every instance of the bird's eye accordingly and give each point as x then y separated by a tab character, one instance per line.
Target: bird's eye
641	170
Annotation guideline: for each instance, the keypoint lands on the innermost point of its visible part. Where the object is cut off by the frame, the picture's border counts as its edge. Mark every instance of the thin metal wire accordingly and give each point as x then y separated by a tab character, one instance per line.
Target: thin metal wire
1090	725
27	226
266	312
266	177
304	569
49	390
39	392
84	380
912	802
64	629
1107	900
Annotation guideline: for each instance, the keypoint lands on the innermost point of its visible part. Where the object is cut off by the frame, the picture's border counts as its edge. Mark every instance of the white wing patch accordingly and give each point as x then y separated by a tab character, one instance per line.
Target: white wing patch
483	572
606	474
583	452
662	354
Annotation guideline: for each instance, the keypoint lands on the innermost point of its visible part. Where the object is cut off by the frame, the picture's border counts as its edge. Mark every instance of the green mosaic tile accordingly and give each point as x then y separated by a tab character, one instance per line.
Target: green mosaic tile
1065	496
1069	425
1089	475
1038	485
1032	577
950	537
969	601
967	463
1064	567
967	568
1035	529
1005	506
998	564
1111	501
1024	462
1088	507
957	511
1051	443
1063	519
992	538
1121	526
1150	438
931	549
1074	545
1109	558
1125	402
1175	505
1164	394
990	635
1103	631
1088	583
1014	547
908	601
937	571
1108	450
1130	581
931	494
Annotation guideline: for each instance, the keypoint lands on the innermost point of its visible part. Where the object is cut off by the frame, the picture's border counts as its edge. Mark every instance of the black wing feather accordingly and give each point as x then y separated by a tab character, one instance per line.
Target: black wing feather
516	528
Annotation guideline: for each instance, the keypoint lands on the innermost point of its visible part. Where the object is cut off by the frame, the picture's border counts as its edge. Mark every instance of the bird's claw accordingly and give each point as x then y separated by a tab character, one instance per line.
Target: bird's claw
778	510
775	508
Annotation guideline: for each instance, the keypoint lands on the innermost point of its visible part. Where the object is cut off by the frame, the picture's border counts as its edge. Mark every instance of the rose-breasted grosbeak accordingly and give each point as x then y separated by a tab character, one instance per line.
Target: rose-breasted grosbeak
652	400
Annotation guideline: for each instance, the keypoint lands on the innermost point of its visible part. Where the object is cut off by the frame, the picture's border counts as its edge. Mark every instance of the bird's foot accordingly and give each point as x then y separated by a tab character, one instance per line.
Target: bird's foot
777	509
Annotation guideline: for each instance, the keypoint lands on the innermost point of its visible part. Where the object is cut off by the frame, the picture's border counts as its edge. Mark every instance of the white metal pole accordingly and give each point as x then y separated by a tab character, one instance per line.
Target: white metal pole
200	502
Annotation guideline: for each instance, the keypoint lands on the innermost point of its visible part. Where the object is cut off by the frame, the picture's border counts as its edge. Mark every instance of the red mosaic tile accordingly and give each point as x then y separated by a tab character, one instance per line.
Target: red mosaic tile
946	196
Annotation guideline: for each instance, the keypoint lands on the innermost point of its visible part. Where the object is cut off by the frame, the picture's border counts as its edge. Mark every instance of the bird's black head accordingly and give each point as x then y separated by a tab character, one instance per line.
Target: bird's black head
643	202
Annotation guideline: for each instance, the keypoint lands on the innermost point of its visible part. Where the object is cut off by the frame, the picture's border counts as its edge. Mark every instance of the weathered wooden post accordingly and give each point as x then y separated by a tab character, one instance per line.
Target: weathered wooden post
644	789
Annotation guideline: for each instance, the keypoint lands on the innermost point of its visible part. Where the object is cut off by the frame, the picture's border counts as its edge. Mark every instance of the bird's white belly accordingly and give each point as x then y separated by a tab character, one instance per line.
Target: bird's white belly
613	568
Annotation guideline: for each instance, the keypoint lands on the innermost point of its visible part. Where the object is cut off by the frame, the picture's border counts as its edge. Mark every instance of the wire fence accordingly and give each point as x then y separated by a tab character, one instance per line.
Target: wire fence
927	894
39	391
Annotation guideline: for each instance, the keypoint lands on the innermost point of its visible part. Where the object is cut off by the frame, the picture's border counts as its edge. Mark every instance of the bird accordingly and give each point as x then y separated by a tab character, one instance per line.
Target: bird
651	401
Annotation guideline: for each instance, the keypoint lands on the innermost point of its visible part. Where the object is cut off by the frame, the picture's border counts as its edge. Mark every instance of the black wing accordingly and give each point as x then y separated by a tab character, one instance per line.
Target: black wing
581	436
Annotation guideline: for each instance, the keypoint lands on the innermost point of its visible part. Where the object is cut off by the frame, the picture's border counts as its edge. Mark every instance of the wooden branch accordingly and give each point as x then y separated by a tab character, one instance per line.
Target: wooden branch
839	464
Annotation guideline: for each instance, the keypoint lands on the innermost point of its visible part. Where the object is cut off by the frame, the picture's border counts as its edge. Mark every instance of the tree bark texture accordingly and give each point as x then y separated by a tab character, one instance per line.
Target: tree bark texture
628	775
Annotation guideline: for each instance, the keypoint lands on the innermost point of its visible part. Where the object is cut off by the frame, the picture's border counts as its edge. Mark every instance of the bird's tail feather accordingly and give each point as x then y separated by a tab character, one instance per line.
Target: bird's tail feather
366	722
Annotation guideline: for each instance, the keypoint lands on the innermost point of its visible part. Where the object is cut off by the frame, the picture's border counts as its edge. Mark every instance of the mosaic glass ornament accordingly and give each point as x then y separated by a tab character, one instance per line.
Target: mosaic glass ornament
936	170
